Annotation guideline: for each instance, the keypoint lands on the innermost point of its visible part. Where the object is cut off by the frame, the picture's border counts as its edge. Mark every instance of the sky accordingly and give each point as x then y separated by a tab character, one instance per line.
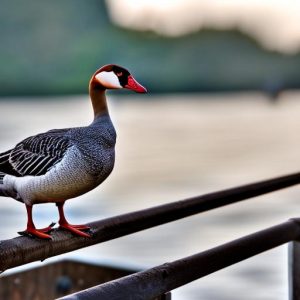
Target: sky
275	24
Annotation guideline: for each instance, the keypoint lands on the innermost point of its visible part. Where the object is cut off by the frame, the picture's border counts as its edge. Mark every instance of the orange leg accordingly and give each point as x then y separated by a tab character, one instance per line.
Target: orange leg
75	229
32	231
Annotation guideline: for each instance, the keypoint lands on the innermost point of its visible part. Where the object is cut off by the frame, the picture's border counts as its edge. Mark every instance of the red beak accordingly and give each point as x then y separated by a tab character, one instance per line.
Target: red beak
134	85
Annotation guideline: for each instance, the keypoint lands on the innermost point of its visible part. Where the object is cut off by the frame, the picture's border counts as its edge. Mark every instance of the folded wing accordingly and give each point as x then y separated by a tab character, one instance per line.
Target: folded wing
35	155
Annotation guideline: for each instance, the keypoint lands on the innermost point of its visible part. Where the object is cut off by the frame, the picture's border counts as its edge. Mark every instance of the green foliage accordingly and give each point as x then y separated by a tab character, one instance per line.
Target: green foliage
53	47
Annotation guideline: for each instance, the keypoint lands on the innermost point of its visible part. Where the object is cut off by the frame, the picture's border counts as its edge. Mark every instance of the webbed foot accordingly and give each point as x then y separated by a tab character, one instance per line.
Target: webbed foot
39	233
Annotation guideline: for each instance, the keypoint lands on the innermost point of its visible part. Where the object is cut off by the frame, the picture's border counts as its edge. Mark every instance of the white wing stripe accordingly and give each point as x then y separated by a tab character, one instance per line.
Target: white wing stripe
24	164
33	164
4	157
38	166
45	166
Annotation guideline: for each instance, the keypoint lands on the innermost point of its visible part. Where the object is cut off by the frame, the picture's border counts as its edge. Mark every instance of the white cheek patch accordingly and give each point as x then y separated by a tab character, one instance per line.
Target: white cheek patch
109	80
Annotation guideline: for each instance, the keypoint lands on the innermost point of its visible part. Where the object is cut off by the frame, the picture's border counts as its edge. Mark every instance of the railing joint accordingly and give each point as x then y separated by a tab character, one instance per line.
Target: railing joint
296	221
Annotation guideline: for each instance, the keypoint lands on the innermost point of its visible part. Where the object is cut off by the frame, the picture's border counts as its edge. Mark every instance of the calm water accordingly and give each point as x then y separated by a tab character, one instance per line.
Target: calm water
169	149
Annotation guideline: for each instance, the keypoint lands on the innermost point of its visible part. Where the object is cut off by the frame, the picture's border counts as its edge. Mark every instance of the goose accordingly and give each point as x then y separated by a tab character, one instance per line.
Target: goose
61	164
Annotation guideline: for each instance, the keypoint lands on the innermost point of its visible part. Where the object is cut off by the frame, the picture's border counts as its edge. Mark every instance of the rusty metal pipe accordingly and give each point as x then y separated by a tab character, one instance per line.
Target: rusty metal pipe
23	250
149	284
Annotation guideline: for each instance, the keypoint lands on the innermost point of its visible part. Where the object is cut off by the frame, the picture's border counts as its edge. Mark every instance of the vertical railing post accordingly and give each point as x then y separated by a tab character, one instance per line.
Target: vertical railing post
294	270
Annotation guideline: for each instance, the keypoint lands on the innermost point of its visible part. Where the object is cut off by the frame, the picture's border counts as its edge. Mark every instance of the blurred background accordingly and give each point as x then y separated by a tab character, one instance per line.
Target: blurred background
222	110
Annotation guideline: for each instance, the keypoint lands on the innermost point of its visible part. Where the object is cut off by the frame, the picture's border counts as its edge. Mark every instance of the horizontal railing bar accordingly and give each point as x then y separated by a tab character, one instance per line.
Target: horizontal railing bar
22	250
151	283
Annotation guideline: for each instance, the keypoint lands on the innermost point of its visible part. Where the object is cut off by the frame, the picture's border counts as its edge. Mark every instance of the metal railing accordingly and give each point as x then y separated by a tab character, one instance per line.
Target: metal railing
151	283
22	250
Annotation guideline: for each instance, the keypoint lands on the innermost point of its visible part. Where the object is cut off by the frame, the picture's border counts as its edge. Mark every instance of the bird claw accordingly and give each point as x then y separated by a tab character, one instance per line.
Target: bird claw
47	229
76	229
39	233
31	232
81	227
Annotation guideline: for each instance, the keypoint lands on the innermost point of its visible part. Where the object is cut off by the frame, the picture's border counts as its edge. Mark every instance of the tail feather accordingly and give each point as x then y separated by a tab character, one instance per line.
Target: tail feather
5	165
6	190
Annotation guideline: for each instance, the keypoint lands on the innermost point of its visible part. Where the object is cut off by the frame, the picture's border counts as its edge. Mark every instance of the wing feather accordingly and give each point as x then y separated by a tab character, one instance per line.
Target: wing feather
36	155
4	156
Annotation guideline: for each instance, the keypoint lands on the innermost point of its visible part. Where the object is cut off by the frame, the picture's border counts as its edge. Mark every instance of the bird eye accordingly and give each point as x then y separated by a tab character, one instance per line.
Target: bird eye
119	74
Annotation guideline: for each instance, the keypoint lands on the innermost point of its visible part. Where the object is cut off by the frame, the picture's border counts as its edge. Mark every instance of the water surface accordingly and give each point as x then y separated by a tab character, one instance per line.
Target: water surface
171	148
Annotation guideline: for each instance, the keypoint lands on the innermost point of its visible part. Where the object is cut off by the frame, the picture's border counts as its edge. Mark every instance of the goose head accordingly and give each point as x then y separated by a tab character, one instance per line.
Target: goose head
116	77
